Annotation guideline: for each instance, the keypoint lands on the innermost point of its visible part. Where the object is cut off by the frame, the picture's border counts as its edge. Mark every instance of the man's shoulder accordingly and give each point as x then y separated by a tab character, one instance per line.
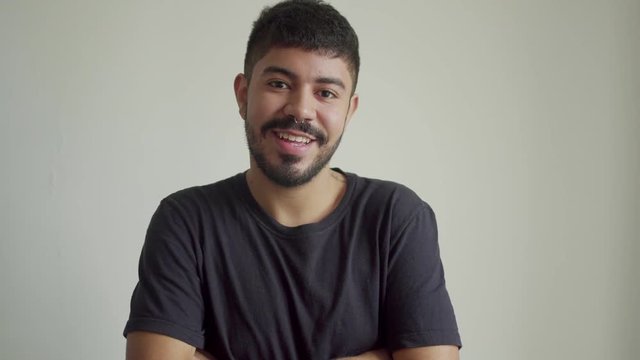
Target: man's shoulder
217	193
384	190
386	196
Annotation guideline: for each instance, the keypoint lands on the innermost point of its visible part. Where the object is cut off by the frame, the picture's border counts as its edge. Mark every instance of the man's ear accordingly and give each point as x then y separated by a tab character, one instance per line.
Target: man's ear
353	106
240	87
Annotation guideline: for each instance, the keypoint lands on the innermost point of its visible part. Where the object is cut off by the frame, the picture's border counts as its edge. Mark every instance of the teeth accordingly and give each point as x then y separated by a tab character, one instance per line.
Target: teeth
298	139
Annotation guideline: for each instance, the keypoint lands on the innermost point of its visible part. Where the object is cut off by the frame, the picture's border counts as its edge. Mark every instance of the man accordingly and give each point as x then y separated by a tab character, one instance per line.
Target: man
293	259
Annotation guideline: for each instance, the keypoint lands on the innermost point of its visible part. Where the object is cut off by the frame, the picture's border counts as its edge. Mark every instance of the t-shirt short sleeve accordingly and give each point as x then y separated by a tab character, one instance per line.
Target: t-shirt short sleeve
417	310
167	299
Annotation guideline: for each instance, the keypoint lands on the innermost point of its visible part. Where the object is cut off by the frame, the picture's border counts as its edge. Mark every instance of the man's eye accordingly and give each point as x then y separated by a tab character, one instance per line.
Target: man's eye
278	84
327	94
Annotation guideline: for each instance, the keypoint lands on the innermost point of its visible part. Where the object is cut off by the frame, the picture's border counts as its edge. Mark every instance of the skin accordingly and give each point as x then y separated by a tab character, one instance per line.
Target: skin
313	88
317	89
149	346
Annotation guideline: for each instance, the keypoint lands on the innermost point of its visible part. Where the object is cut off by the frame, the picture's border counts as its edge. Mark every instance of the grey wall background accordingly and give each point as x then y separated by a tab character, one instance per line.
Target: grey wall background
518	121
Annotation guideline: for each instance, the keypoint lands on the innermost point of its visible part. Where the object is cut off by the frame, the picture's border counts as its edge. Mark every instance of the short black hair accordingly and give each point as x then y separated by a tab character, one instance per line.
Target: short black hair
306	24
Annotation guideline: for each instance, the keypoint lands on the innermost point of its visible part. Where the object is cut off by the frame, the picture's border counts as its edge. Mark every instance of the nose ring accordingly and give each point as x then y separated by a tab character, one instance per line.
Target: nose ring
295	120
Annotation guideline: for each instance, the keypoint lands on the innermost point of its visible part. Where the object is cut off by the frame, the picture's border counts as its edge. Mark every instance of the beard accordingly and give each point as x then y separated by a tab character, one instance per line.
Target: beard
285	172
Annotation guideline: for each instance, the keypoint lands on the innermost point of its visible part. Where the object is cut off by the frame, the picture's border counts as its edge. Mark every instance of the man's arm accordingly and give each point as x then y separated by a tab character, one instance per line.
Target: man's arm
442	352
380	354
142	345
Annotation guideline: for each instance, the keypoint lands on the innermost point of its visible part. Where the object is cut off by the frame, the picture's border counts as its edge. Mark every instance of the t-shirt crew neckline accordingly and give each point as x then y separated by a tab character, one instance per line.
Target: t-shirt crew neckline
306	229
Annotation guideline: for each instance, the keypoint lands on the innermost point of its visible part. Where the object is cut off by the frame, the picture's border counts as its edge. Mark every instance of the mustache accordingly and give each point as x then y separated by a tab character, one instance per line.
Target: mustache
288	123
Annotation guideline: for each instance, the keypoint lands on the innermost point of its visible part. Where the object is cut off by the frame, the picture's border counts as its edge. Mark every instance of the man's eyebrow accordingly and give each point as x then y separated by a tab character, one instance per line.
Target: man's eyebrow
279	70
290	74
330	80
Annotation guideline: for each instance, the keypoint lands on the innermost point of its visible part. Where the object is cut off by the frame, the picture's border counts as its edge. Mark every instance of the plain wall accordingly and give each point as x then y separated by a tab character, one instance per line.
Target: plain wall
518	121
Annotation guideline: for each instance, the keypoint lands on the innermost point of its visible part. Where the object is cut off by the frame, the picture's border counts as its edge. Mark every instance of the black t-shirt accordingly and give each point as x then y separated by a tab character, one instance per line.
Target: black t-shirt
219	273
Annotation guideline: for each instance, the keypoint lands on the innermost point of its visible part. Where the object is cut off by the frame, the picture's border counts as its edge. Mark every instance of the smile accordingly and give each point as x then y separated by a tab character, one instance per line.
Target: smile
293	138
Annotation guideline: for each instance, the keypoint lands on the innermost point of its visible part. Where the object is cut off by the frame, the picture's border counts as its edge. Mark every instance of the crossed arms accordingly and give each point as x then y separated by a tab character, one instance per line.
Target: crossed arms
150	346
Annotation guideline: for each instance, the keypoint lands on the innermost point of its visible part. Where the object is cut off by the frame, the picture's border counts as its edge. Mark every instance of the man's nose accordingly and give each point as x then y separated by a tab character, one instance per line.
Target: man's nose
301	106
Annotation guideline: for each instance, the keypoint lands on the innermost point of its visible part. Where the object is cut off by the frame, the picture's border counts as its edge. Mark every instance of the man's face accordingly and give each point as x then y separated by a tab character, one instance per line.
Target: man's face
295	107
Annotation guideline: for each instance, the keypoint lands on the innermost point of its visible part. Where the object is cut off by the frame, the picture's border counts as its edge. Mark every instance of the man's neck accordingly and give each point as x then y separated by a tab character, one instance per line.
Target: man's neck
304	204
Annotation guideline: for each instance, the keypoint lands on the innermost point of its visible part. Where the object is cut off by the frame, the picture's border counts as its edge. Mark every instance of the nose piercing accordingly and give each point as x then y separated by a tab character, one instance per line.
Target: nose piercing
295	120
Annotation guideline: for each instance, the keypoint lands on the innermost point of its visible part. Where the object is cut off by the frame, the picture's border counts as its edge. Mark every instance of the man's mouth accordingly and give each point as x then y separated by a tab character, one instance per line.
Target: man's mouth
299	133
293	138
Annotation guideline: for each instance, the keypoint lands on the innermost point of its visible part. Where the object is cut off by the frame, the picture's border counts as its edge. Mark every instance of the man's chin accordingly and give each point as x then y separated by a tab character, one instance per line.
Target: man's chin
288	175
289	171
289	178
290	160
